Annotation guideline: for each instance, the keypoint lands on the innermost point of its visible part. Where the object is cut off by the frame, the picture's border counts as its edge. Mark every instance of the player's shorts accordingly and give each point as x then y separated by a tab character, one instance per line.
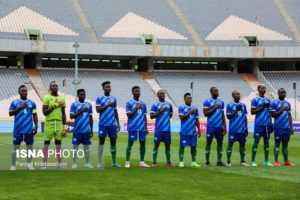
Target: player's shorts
111	131
212	133
162	136
20	137
53	129
188	140
81	138
133	135
236	137
282	135
262	131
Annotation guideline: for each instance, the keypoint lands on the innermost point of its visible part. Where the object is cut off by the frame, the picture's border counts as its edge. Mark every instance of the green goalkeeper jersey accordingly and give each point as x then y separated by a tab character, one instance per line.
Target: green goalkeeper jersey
53	101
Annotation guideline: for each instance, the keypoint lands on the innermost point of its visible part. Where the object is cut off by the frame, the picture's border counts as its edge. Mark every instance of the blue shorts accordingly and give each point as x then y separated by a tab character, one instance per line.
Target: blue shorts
133	135
162	136
19	137
81	138
212	133
111	131
282	135
262	131
236	137
188	140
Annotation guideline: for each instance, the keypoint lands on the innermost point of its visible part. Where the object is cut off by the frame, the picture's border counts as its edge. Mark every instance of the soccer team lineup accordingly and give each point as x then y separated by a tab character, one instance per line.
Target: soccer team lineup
270	117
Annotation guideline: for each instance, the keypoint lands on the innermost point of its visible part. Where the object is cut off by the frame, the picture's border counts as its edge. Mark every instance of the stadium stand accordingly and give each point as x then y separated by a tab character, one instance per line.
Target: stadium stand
178	83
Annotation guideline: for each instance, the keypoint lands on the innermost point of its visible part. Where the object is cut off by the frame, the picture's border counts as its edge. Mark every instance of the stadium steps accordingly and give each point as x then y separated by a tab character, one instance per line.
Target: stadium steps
288	19
251	79
83	20
185	22
154	85
37	82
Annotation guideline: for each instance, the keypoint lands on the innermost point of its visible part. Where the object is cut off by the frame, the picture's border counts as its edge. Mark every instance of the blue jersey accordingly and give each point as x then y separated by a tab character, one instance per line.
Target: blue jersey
263	117
137	121
188	125
282	121
82	122
162	122
237	124
107	117
23	119
215	120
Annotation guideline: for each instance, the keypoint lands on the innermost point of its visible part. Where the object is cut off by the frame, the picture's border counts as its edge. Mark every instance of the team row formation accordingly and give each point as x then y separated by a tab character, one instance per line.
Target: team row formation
26	126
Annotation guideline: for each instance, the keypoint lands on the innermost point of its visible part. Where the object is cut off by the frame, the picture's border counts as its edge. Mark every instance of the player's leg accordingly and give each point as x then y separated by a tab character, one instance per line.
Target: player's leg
229	152
285	143
87	152
209	139
48	135
76	140
193	143
29	147
277	140
103	131
132	136
266	136
167	140
45	152
113	149
219	136
183	144
157	140
17	138
58	153
142	138
256	135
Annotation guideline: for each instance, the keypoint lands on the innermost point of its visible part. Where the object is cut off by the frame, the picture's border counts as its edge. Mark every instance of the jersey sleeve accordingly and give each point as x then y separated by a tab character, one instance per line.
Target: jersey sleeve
91	109
115	105
180	110
228	109
98	101
12	106
246	111
64	101
128	107
33	111
253	103
46	100
289	107
206	104
73	109
223	105
197	113
171	109
144	109
153	108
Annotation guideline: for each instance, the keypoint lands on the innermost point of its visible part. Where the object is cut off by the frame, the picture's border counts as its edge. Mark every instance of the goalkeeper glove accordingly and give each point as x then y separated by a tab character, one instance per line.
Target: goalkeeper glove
64	133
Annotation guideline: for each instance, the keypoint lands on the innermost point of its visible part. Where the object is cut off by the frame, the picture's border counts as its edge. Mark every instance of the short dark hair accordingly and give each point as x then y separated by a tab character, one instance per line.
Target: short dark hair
260	85
280	89
105	83
21	86
51	83
187	94
211	89
79	91
135	87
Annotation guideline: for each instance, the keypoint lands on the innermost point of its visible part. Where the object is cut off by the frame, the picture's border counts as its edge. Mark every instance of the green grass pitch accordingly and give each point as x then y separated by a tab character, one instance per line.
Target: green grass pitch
153	183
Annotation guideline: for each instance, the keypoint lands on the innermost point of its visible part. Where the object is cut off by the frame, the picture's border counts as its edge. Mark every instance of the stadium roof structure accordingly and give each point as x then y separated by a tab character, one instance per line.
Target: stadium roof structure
25	18
233	28
133	25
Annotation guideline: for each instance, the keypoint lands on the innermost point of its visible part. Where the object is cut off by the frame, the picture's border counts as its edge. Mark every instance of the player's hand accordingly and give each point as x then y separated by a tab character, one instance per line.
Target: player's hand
292	131
64	132
138	106
147	132
91	134
35	130
163	109
285	108
58	103
224	131
23	106
239	107
217	105
266	104
246	133
199	134
118	127
192	111
111	103
85	109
